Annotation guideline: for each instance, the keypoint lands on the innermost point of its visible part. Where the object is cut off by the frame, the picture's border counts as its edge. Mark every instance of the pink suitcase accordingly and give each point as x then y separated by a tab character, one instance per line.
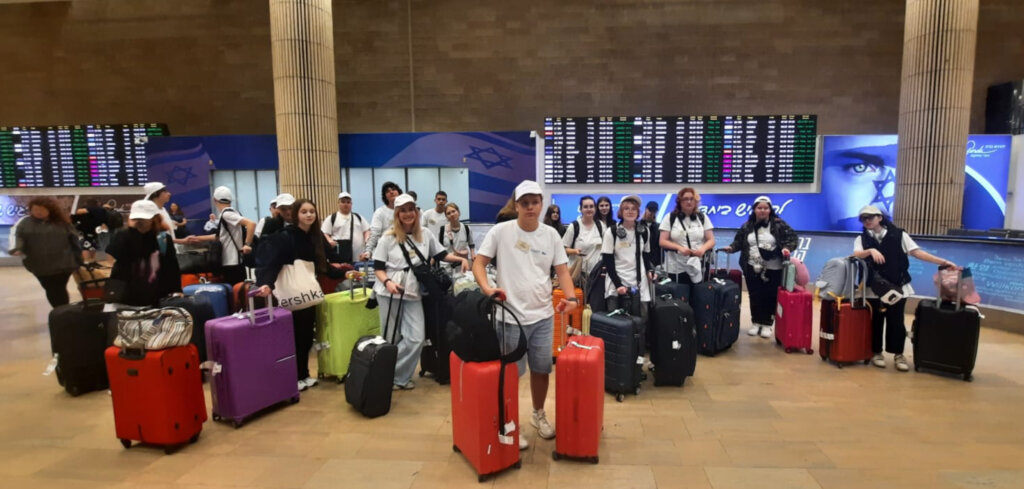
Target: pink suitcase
251	361
793	316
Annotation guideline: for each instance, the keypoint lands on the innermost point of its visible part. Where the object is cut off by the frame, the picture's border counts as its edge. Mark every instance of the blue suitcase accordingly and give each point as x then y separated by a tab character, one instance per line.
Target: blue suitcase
218	294
716	309
623	337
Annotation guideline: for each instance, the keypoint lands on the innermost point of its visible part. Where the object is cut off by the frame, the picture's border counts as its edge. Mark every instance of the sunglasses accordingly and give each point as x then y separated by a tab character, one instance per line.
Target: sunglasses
868	217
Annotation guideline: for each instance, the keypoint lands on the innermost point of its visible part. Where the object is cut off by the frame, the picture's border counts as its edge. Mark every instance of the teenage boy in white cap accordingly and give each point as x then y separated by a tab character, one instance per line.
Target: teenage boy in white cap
346	231
235	234
526	252
263	222
281	218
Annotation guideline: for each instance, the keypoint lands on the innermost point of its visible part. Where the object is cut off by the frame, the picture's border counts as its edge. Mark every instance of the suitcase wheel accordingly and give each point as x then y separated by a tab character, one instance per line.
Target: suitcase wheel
339	379
867	361
968	378
592	460
422	373
216	417
637	390
518	465
236	423
73	390
778	342
126	443
320	375
455	449
917	369
789	350
294	400
169	449
481	478
620	397
555	456
810	351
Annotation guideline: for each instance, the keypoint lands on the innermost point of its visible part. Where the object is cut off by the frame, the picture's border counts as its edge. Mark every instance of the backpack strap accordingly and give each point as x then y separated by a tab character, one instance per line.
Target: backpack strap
575	232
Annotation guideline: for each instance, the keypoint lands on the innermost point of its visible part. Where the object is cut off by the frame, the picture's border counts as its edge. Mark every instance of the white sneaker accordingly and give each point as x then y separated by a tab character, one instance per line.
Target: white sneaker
754	330
766	332
310	382
302	385
901	363
539	420
523	444
878	360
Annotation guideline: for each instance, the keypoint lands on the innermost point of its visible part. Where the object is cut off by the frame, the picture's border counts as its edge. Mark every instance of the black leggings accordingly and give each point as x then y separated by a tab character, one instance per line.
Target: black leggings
56	287
303	322
764	295
891	321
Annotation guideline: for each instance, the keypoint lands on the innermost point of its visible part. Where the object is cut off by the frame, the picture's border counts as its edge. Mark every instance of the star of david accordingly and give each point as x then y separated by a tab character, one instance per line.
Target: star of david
480	155
880	184
180	175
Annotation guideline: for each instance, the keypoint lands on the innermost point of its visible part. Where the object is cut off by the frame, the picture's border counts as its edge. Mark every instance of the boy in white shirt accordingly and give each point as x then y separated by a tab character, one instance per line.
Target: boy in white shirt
349	226
527	252
433	219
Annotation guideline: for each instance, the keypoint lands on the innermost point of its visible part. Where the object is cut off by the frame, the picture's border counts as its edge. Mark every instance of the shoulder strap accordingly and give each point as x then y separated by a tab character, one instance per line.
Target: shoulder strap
221	224
415	249
334	219
637	244
440	234
576	232
600	228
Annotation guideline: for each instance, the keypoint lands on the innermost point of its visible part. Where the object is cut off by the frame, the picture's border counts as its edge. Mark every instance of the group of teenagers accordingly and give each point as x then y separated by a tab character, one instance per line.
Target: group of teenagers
521	247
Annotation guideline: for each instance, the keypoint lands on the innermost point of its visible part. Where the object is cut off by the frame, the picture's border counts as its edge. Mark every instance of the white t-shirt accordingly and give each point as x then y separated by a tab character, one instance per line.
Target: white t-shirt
588	242
908	245
340	229
432	220
456	241
231	236
524	266
625	263
382	220
677	233
390	253
767	239
168	222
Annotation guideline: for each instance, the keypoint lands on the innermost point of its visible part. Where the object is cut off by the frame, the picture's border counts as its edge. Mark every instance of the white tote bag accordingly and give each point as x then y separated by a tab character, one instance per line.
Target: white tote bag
296	287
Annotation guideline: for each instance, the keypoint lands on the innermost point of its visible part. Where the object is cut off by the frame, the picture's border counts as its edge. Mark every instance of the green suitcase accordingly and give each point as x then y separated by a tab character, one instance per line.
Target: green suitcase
342	318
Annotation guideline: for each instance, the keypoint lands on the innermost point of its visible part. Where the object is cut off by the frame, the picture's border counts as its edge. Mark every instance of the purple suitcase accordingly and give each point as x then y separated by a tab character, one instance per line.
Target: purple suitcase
252	362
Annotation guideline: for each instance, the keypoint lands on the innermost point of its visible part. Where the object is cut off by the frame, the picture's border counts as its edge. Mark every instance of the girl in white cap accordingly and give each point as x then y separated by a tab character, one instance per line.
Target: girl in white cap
764	241
886	247
146	264
397	251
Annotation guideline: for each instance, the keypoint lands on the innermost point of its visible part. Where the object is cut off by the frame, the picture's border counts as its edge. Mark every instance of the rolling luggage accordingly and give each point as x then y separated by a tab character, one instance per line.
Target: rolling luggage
218	294
79	334
562	321
201	310
716	309
342	318
733	275
794	314
579	399
437	311
252	362
371	371
486	433
845	332
157	395
945	336
197	278
674	343
91	279
623	337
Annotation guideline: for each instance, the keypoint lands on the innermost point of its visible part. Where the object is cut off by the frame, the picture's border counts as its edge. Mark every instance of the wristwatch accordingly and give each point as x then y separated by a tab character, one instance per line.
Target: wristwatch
572	299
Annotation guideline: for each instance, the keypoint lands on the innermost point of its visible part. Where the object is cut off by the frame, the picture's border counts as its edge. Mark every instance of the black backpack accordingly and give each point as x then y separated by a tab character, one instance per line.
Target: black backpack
115	220
576	231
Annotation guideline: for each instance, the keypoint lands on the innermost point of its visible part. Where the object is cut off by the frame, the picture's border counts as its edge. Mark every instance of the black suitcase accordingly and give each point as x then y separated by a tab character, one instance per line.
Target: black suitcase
434	357
674	346
716	308
945	338
623	337
674	289
79	335
371	371
201	309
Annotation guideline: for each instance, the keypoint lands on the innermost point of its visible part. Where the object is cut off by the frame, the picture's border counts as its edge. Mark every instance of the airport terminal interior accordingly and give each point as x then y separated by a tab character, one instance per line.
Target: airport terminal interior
831	112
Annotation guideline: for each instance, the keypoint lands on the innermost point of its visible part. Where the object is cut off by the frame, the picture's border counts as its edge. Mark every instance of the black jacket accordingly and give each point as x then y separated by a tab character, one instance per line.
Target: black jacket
133	252
287	245
784	235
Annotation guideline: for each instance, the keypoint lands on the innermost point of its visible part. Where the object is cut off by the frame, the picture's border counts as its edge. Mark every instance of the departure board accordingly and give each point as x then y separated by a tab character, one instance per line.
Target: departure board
102	155
680	149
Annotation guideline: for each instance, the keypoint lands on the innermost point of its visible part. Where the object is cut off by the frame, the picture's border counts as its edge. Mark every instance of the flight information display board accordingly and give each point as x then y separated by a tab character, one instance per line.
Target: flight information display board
680	149
101	155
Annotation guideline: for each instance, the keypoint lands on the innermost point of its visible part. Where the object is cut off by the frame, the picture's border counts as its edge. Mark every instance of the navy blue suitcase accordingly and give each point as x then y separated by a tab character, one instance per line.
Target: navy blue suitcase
716	309
674	342
623	337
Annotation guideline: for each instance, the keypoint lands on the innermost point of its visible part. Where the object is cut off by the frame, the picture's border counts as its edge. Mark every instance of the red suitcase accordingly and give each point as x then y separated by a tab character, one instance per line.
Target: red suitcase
475	415
579	399
793	317
157	395
846	327
198	278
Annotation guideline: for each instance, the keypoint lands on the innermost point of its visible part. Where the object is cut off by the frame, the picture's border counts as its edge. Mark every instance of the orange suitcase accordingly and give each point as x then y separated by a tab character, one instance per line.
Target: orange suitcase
477	421
579	399
575	319
197	278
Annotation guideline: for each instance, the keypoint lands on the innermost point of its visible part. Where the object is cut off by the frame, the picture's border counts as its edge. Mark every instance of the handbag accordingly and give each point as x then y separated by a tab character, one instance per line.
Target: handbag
433	279
153	329
296	287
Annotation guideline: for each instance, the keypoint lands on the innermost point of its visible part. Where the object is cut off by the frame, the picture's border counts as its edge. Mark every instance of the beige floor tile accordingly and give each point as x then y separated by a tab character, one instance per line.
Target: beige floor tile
226	470
410	447
665	427
859	479
112	465
779	454
988	479
602	476
747	478
288	472
365	474
283	443
639	451
672	477
701	453
23	461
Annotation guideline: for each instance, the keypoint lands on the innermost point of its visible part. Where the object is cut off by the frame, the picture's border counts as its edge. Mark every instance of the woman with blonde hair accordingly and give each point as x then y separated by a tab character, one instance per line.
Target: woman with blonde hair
404	246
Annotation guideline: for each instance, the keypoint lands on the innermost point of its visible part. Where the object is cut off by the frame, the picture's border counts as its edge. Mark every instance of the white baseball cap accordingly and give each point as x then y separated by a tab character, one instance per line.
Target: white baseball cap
634	198
223	195
344	195
151	188
143	209
404	199
763	198
869	209
284	200
528	187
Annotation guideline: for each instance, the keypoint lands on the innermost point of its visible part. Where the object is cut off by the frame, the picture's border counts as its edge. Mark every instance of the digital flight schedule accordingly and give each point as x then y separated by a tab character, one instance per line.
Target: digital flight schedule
102	155
680	149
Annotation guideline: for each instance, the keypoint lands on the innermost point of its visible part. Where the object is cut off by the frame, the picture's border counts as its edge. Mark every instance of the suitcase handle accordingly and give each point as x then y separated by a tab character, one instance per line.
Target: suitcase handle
959	285
252	307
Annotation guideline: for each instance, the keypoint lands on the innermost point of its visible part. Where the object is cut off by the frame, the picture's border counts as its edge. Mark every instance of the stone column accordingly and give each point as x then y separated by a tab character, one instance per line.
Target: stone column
935	103
302	43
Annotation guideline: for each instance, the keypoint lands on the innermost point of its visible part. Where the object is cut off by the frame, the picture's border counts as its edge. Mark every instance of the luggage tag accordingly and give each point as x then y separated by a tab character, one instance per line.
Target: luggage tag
52	365
676	345
640	360
323	345
507	439
376	340
827	336
214	367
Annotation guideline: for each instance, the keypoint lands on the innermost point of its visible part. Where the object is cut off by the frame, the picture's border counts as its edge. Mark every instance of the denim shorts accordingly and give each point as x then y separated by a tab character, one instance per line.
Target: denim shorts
539	337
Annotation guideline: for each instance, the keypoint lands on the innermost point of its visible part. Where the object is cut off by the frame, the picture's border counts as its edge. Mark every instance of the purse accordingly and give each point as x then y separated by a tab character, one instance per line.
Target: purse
296	287
434	280
153	329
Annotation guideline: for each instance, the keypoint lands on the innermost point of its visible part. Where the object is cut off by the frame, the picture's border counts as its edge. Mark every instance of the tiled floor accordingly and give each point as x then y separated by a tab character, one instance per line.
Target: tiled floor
752	417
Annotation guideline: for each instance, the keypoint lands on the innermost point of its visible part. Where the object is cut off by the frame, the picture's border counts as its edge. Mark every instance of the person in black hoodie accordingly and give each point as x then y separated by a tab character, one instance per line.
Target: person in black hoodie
764	241
146	265
886	248
302	240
